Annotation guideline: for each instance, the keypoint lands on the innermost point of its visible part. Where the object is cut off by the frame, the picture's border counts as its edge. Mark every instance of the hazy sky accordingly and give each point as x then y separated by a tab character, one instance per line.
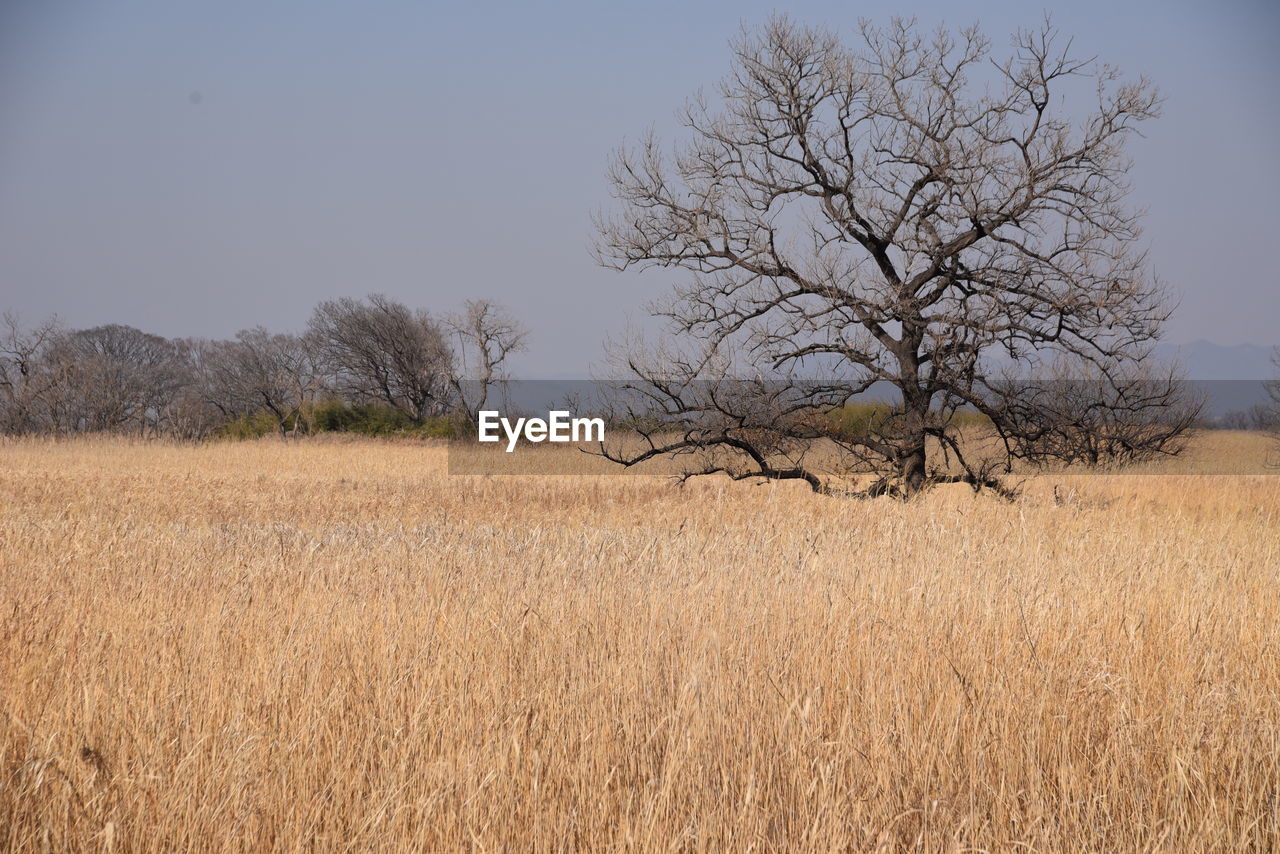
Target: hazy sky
193	169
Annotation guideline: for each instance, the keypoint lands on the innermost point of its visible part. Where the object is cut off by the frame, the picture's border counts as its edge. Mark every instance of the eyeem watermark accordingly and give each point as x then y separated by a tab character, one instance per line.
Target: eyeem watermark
559	426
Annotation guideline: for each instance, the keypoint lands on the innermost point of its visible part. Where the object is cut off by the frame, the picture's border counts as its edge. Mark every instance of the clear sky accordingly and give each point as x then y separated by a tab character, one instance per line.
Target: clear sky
196	168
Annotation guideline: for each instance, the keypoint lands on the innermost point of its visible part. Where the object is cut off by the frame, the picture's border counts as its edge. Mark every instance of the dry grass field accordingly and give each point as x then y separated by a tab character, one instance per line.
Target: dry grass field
339	647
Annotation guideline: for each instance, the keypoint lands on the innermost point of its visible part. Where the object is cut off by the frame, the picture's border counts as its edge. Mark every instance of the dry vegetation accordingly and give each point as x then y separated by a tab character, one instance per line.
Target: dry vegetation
336	646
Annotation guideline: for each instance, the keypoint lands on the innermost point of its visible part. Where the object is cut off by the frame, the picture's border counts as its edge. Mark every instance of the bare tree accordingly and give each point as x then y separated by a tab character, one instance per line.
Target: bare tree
891	216
26	381
380	349
199	408
487	335
259	371
117	377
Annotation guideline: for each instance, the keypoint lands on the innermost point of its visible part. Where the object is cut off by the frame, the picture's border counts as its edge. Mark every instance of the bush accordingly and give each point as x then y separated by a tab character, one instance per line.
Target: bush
253	426
857	420
335	416
375	419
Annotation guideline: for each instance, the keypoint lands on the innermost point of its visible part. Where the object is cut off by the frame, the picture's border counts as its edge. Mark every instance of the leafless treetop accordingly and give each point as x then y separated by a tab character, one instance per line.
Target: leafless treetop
893	211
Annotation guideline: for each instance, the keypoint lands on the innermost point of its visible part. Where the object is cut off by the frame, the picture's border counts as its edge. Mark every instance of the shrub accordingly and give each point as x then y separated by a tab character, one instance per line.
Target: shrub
375	419
253	426
335	416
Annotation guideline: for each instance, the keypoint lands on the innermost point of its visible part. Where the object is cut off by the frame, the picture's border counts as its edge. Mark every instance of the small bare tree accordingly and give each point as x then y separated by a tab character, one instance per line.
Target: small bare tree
487	335
259	371
191	414
27	381
889	216
380	349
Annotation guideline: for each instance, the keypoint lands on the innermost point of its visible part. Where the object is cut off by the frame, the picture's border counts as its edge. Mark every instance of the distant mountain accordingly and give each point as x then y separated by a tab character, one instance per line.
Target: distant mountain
1204	360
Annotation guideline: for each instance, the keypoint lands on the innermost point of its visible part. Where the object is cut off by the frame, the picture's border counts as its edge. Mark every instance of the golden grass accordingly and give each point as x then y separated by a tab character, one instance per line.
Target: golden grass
336	646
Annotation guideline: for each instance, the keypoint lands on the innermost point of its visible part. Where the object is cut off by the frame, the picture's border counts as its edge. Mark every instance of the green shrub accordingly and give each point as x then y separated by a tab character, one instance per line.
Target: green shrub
335	416
368	419
855	420
253	426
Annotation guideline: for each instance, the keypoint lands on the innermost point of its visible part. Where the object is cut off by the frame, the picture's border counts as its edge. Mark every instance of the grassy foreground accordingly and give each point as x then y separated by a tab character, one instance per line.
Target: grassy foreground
337	646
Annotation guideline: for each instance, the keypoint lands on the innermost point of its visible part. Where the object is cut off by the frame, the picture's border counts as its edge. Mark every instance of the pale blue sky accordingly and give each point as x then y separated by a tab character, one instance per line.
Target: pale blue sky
193	169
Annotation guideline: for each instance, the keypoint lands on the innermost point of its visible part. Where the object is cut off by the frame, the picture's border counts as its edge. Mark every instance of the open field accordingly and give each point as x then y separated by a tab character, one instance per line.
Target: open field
336	646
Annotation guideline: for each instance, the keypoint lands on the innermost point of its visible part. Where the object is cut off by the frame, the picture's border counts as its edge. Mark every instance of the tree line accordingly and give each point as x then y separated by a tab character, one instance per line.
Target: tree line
376	354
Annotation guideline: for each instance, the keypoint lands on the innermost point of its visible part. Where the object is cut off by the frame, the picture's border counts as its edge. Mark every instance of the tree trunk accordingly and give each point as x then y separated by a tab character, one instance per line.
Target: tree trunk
915	404
912	466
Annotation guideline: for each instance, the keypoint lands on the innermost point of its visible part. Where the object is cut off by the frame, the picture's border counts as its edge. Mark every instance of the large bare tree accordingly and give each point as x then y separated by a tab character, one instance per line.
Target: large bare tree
909	212
380	349
118	378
